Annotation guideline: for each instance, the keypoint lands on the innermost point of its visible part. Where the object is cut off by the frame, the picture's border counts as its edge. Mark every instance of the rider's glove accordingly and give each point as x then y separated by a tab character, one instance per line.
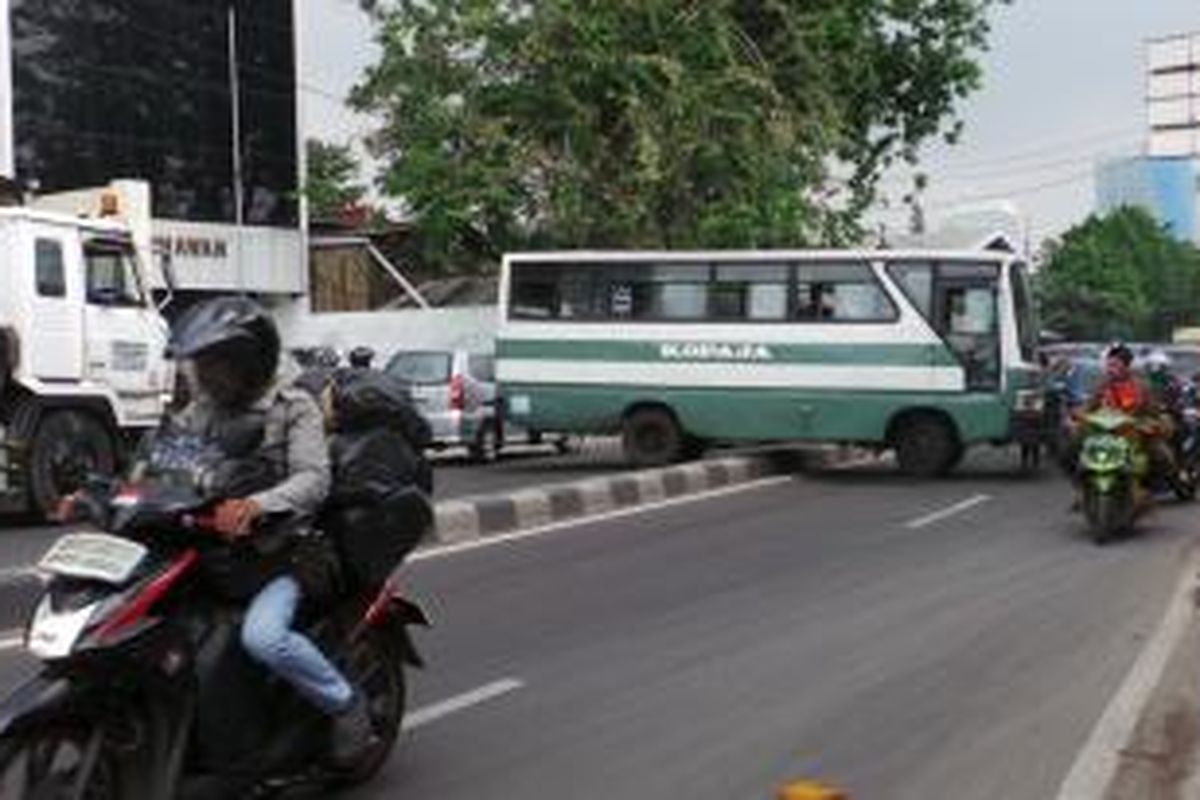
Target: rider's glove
67	508
233	519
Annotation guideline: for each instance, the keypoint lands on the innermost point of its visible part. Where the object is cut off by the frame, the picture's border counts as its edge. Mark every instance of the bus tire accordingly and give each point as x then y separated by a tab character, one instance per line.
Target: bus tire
67	447
651	437
927	446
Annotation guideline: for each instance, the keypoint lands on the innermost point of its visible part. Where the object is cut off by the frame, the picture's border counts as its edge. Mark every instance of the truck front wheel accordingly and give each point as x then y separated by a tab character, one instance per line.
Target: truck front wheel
67	447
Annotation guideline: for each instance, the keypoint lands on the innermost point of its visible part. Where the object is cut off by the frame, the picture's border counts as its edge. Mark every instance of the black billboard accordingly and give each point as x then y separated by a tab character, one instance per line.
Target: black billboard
106	89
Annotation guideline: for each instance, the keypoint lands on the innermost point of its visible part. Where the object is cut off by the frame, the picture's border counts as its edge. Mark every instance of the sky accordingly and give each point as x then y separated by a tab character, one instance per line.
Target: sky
1064	88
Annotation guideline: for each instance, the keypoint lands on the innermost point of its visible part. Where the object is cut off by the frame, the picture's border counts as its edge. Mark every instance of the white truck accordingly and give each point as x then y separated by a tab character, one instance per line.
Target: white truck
82	372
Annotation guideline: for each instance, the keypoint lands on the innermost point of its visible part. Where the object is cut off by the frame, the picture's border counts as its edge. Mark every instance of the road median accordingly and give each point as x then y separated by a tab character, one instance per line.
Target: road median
471	518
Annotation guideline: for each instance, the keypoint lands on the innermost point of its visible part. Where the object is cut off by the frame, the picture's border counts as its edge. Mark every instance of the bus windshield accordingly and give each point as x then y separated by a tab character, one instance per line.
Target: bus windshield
1025	312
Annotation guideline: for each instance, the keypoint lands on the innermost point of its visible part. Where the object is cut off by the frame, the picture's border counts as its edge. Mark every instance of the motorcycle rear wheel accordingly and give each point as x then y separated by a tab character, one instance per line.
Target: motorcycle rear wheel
377	669
1185	482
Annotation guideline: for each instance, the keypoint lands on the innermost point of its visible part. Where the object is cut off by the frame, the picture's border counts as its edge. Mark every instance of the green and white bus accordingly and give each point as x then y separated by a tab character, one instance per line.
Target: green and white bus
924	352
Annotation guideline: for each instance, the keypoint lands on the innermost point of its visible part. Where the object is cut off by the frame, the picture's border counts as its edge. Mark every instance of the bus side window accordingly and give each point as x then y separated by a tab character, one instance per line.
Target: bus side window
840	292
916	281
756	292
534	299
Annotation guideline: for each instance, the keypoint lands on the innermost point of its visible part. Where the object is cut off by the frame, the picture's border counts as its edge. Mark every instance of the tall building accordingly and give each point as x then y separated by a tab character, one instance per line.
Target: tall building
1164	180
1173	96
1166	187
196	97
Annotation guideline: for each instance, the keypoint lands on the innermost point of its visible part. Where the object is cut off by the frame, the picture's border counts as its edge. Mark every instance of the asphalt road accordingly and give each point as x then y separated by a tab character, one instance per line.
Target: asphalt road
719	649
907	641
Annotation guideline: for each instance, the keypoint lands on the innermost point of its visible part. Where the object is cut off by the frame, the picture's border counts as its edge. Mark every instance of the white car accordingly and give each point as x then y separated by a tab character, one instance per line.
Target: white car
455	390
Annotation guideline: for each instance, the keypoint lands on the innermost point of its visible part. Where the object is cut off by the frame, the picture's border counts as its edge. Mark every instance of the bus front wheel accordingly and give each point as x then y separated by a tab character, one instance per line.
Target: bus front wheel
926	446
652	438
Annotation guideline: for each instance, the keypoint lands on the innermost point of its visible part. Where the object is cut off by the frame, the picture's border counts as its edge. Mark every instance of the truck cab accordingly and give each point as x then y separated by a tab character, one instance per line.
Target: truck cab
82	372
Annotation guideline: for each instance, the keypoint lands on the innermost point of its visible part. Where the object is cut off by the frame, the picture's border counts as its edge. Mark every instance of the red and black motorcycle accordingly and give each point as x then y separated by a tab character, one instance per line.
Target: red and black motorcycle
145	690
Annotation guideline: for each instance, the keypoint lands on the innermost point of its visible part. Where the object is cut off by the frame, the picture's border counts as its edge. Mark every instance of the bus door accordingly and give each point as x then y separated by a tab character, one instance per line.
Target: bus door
966	315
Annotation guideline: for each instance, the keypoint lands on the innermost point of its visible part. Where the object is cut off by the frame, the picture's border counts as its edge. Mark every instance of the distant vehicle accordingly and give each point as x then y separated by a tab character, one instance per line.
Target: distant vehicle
923	352
455	390
1185	359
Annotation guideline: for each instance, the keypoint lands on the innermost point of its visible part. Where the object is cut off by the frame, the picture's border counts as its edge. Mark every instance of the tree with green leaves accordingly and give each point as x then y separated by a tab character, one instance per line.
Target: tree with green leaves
658	123
333	185
1118	276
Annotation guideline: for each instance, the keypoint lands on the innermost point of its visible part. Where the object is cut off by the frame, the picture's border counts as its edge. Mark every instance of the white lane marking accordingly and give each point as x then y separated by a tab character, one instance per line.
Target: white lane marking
8	574
461	702
1096	765
517	536
957	508
11	640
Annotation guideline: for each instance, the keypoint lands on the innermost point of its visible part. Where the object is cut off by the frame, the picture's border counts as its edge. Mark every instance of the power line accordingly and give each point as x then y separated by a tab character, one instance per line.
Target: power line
1019	191
1123	133
1040	166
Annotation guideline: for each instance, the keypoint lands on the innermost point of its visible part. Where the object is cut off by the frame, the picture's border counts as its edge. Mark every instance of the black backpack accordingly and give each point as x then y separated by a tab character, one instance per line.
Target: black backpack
378	508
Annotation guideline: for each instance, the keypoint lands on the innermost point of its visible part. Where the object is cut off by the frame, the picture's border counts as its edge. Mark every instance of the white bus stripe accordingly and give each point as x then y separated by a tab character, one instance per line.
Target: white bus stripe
798	377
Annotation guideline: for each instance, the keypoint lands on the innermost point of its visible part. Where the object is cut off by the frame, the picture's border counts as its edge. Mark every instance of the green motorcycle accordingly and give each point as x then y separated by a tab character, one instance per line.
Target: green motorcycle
1113	469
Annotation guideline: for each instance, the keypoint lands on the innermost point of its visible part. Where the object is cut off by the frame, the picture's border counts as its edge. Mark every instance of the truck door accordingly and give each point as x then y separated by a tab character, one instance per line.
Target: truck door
123	333
55	285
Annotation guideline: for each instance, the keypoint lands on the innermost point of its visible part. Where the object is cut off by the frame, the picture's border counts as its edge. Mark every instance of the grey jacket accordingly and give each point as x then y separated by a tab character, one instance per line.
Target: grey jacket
295	436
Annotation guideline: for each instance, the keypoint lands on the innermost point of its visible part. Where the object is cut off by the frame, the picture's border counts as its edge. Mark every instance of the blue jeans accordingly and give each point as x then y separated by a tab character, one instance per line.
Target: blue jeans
268	637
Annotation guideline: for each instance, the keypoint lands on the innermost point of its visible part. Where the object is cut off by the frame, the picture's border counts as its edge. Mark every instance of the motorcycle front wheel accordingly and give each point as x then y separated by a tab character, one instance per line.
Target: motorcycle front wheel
1108	514
64	759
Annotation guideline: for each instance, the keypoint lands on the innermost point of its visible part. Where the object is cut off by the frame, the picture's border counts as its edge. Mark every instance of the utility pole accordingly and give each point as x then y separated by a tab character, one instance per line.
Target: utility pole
7	136
235	99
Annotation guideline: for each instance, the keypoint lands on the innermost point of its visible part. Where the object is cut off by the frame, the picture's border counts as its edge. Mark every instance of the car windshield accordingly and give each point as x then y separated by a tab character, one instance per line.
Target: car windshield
420	368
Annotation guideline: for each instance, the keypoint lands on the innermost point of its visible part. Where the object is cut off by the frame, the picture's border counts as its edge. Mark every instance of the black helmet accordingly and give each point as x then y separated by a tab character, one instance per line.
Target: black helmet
237	330
362	356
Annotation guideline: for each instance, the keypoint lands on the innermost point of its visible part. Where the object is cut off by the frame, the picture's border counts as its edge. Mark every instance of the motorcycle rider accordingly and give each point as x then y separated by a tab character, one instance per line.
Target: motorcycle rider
1168	390
1121	390
361	357
229	349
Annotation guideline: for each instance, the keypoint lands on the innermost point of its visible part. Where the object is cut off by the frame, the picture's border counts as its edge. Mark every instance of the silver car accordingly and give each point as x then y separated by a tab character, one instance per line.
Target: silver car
455	390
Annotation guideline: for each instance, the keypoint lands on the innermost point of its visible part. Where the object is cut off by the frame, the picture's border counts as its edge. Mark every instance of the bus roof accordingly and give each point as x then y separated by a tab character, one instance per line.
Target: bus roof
617	256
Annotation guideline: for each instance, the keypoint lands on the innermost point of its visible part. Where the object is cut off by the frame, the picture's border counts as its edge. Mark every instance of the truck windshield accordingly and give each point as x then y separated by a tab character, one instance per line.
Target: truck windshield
112	275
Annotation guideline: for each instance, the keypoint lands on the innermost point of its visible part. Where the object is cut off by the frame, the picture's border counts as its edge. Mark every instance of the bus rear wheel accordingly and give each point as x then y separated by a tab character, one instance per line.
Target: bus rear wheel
926	446
652	438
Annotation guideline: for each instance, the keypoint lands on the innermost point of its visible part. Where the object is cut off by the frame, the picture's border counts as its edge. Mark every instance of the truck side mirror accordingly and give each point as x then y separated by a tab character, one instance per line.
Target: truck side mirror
167	269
